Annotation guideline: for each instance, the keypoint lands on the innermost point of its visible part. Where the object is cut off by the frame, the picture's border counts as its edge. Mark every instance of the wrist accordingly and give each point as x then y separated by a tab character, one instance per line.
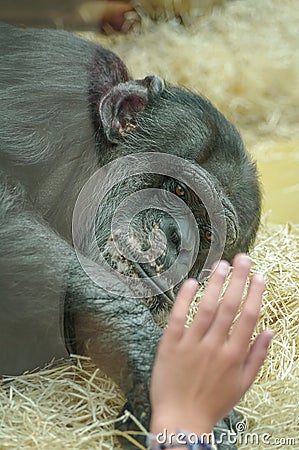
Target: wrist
166	426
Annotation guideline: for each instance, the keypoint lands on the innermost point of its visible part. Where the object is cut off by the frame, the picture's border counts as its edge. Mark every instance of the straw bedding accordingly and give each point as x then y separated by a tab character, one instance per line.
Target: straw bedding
248	65
243	56
75	406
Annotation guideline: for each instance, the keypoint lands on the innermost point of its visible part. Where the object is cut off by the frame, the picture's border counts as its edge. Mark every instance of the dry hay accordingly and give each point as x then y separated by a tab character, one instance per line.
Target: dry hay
75	406
271	405
243	56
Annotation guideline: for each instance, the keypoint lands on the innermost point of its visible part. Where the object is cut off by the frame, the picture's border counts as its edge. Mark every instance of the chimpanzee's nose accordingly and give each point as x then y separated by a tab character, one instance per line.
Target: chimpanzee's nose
171	229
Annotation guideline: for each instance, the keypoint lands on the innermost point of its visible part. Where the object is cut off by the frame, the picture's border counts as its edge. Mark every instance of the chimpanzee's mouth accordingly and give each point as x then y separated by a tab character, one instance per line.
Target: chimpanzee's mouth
166	295
151	270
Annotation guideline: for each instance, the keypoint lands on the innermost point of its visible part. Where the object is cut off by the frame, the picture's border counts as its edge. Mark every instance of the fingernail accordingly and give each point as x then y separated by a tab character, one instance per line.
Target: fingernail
242	258
270	334
223	268
194	282
259	277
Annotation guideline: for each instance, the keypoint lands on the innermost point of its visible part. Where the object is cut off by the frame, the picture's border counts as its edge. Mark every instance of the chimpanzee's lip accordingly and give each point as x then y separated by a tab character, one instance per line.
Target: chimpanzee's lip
147	272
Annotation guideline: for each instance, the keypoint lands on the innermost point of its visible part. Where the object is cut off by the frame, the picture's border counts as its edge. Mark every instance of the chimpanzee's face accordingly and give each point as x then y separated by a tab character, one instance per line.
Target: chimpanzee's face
178	232
158	224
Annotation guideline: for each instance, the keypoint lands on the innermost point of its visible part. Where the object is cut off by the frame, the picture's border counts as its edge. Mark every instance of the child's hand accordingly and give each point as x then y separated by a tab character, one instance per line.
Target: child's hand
201	372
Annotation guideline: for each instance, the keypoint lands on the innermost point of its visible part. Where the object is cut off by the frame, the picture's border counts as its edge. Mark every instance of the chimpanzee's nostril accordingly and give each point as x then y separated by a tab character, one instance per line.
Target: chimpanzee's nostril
171	230
174	236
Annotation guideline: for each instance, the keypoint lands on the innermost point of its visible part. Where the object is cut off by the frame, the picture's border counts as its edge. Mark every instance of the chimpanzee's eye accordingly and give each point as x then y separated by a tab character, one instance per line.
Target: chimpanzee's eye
208	235
179	190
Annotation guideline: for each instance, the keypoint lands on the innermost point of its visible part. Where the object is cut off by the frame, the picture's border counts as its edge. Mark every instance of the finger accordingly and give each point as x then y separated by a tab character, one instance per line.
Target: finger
209	301
243	329
256	357
230	304
181	308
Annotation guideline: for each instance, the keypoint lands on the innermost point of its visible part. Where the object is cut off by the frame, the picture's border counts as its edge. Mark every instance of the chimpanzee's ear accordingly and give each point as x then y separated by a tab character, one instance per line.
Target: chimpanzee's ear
119	107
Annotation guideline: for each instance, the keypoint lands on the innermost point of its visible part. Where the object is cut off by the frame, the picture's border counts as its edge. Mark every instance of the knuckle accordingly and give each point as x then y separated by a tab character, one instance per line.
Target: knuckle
206	309
250	314
176	322
175	327
229	307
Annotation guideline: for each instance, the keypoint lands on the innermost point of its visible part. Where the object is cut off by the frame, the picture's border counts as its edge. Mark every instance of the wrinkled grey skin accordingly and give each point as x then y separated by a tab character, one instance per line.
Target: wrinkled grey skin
69	107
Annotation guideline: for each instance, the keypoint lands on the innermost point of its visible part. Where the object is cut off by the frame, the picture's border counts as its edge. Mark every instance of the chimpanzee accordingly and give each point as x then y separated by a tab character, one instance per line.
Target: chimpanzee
106	183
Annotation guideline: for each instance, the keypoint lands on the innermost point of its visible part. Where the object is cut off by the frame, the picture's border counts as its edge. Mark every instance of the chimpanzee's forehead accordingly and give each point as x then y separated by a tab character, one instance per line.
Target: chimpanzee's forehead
188	125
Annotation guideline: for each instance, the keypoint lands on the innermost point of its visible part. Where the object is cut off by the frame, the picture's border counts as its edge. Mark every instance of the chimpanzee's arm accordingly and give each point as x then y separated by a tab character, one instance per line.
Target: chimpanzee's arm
33	267
37	269
120	336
